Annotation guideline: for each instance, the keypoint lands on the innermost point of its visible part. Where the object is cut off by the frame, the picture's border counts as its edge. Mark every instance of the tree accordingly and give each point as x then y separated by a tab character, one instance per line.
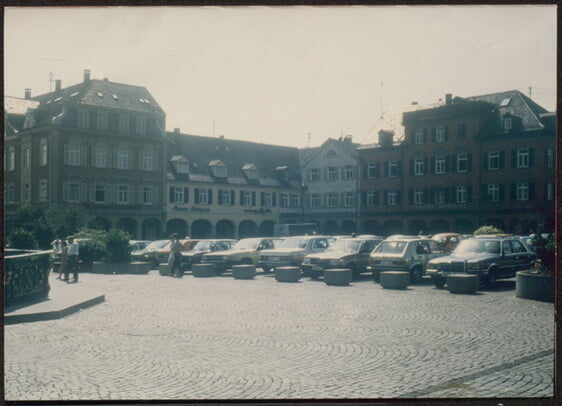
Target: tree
485	230
22	239
117	246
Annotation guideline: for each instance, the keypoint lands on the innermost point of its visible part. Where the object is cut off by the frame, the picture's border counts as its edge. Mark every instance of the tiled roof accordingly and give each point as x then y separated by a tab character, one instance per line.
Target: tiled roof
103	93
17	106
201	152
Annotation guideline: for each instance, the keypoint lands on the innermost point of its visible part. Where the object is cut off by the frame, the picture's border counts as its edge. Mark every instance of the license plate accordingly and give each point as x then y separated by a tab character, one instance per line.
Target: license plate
317	268
386	262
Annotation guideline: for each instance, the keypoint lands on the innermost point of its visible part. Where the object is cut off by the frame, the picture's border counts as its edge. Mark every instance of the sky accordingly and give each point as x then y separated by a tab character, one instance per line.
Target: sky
288	75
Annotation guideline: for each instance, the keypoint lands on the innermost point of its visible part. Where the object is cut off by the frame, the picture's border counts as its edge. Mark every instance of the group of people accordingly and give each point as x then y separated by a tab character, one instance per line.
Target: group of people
67	253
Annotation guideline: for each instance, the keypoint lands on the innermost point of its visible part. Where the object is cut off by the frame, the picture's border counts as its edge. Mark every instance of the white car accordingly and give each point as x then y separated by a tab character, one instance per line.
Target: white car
292	251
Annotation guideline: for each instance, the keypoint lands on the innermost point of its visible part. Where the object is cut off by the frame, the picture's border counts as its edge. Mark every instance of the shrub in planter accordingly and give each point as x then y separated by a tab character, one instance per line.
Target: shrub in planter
538	282
117	247
486	230
91	247
22	239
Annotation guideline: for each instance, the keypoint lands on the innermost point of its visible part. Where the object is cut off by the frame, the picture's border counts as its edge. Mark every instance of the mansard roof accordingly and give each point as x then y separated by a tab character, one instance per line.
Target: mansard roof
237	156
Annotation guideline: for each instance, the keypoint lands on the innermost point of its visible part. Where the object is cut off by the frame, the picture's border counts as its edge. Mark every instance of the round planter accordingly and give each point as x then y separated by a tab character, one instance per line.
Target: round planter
203	270
287	274
534	286
243	271
462	283
337	277
395	279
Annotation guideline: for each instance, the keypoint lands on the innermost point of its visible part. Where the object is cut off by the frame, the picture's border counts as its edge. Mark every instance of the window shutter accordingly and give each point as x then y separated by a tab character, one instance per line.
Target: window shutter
513	191
253	198
433	134
531	191
274	199
502	160
377	170
196	195
132	195
484	193
502	192
365	170
424	138
232	196
131	160
485	161
411	196
431	168
513	158
171	195
210	197
469	162
399	168
261	198
83	192
446	133
376	198
155	161
412	136
469	194
92	192
411	167
186	195
83	156
531	157
108	193
386	169
385	195
454	162
241	198
220	199
447	163
399	197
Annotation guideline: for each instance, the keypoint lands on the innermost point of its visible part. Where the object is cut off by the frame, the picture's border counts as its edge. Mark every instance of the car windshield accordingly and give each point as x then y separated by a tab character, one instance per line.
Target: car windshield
345	245
247	244
391	247
202	246
293	243
478	246
154	245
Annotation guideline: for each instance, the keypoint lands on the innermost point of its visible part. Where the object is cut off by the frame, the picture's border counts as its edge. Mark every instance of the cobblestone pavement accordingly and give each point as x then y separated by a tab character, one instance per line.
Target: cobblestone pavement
219	338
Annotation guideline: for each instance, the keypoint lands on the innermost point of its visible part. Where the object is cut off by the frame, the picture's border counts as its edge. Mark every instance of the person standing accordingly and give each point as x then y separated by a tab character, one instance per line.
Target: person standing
174	260
72	261
63	260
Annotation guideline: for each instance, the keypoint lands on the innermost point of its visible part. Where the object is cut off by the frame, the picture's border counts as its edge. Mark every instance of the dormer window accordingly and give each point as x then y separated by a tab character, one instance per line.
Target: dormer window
181	164
218	168
251	171
507	123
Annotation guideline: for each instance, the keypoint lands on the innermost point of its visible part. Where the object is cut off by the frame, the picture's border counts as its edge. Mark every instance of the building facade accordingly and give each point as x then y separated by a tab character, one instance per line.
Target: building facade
484	160
97	145
230	189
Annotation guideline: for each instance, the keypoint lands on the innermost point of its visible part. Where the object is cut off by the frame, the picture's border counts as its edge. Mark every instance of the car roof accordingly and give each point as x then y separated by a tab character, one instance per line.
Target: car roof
360	238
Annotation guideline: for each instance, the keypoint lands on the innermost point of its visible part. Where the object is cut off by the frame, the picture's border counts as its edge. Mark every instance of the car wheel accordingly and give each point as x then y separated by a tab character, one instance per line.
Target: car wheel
416	274
492	279
266	269
376	276
153	263
439	282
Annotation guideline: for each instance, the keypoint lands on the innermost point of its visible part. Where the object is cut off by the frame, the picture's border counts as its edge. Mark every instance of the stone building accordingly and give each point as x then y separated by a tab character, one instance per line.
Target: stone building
483	160
97	144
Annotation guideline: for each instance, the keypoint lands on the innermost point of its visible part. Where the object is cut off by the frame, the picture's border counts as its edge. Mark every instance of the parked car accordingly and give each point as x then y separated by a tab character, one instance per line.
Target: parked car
137	245
163	253
407	254
245	251
150	250
349	253
489	257
292	250
201	248
448	240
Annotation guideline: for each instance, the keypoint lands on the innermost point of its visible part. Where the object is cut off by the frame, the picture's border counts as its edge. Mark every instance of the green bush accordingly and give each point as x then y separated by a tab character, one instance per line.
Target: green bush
91	245
23	239
117	247
485	230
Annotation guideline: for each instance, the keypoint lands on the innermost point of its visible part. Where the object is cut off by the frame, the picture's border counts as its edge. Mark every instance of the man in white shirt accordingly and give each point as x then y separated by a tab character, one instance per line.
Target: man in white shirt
72	261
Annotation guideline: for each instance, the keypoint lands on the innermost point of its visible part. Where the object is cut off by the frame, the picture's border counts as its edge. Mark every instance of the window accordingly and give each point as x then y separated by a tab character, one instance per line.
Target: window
418	167
10	193
122	194
43	155
523	158
462	194
225	198
418	136
100	157
507	123
72	154
314	200
99	193
247	199
102	120
26	196
522	191
141	126
418	196
295	200
26	162
550	158
267	199
123	124
201	196
440	134
147	194
331	174
74	192
178	195
43	196
348	199
440	197
314	175
392	169
494	192
550	191
392	198
11	164
284	200
147	162
122	159
494	161
331	200
371	198
83	118
440	164
92	119
371	170
462	163
348	173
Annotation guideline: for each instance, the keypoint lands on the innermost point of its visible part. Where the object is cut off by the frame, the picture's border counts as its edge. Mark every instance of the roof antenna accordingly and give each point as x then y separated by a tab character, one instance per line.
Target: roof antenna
382	98
309	137
530	92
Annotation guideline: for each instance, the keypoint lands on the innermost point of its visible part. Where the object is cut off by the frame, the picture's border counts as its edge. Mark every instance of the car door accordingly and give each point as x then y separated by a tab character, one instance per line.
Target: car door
508	262
437	250
522	257
364	253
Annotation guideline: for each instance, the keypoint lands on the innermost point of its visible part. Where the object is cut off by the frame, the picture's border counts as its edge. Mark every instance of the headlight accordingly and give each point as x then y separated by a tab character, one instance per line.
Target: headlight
306	261
474	266
333	261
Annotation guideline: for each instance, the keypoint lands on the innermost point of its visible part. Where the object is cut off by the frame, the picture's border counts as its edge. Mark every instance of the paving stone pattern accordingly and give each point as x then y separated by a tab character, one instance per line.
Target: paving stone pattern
164	338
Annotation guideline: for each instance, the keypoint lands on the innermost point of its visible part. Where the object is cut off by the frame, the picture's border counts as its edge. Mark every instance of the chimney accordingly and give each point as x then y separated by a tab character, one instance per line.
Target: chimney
221	137
27	93
86	75
448	98
58	85
347	139
386	138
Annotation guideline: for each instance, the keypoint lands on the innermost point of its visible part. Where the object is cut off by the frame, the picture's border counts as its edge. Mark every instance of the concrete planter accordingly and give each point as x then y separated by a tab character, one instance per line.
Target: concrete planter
136	268
203	270
395	279
337	277
462	283
243	271
534	286
288	274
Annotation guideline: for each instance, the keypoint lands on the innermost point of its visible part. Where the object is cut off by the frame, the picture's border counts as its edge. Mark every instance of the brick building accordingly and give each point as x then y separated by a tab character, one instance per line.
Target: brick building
484	160
98	145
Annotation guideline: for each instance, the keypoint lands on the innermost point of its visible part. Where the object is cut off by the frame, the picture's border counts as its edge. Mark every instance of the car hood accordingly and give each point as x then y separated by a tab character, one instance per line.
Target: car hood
333	254
462	257
194	253
230	252
283	251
